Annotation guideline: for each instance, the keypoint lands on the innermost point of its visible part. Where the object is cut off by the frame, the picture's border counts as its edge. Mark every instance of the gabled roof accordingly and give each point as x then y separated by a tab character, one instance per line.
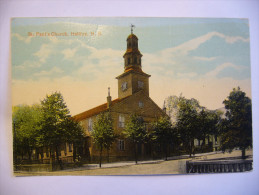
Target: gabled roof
96	110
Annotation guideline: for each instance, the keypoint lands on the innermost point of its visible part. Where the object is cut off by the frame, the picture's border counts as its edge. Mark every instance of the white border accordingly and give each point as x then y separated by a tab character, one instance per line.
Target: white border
239	183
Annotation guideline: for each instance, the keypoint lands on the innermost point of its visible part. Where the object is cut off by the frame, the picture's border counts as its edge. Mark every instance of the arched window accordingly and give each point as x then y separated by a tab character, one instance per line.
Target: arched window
128	60
135	60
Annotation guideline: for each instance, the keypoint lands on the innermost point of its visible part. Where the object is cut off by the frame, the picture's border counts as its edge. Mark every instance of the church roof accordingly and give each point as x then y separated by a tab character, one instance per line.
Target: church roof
96	110
132	36
133	69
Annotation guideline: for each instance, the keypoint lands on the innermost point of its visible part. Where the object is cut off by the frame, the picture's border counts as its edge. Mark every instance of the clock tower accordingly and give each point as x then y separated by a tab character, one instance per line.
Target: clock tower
133	79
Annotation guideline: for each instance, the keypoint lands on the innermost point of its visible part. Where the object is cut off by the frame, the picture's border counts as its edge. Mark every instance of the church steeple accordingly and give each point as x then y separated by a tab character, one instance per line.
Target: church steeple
132	56
133	79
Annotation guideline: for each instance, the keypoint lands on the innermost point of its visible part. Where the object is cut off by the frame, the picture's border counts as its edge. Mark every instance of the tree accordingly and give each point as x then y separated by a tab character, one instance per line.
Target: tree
237	127
208	122
75	135
164	133
103	132
136	132
56	126
26	129
187	122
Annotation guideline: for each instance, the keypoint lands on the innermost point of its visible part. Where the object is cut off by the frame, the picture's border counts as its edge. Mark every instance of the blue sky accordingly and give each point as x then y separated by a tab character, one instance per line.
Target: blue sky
198	57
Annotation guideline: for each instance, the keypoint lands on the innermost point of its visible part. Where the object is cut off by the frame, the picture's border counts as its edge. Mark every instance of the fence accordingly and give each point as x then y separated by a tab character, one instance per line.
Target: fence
219	166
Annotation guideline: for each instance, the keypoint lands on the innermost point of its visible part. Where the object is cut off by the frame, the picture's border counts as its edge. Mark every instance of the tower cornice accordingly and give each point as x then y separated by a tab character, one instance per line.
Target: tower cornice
133	71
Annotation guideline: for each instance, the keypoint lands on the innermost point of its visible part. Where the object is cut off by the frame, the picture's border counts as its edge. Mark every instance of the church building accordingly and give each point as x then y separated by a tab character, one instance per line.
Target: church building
133	98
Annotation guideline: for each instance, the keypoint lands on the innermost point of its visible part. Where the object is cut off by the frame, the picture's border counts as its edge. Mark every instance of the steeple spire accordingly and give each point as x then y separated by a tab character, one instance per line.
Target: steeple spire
132	56
132	26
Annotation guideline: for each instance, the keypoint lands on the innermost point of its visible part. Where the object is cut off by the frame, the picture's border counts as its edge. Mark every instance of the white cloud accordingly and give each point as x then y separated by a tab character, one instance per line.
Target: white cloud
26	40
83	95
103	54
221	67
196	42
44	52
199	58
28	64
69	53
43	73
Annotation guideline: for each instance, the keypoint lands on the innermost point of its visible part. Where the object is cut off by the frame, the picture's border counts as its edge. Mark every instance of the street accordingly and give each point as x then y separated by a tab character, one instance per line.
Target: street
143	168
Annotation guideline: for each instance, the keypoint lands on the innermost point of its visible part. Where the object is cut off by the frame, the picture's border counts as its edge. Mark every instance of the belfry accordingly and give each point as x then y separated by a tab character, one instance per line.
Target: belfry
132	56
133	79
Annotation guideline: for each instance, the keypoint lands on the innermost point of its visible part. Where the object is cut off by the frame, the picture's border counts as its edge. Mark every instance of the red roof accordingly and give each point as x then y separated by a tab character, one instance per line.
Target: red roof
95	111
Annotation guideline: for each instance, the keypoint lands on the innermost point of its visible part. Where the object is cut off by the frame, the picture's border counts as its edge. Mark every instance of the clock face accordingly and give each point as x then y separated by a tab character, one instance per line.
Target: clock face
124	86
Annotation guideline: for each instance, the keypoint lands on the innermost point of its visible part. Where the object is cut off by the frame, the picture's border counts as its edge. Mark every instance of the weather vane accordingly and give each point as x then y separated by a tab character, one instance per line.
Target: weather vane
132	26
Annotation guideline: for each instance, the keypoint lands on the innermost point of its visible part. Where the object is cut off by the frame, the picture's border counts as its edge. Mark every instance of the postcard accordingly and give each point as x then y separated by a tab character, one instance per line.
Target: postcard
131	96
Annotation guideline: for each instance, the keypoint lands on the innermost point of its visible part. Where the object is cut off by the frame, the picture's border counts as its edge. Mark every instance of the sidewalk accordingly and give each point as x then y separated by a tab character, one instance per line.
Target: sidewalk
174	165
201	156
112	165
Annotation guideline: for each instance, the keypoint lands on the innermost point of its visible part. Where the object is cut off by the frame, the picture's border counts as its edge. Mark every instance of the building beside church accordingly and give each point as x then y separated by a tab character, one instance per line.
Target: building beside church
133	98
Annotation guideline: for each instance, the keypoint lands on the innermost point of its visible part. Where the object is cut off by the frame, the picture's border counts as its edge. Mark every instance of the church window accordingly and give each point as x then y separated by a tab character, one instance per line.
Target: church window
121	144
90	124
135	60
140	104
140	84
121	121
128	60
124	86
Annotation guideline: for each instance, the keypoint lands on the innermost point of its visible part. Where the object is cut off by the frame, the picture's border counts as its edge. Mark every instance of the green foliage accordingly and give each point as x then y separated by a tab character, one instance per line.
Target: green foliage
135	129
173	106
191	120
46	125
103	133
58	126
237	127
136	132
208	122
162	130
187	124
55	116
164	133
27	124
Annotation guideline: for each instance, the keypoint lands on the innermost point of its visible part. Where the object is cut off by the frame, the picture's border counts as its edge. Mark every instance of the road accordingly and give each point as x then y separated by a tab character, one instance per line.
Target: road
124	168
